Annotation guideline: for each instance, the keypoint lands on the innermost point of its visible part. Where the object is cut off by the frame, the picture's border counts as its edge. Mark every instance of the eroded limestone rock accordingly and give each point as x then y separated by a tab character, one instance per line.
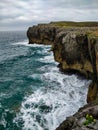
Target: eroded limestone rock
41	34
75	49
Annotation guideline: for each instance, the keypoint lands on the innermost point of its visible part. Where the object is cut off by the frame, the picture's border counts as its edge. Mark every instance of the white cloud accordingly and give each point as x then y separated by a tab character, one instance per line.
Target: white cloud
25	13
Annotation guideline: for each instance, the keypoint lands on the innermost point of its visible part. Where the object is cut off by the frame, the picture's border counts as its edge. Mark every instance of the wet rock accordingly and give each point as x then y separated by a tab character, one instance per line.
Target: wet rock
76	122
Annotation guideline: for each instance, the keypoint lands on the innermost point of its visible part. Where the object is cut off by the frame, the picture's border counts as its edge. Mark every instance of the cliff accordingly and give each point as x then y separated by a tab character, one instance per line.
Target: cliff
42	34
75	48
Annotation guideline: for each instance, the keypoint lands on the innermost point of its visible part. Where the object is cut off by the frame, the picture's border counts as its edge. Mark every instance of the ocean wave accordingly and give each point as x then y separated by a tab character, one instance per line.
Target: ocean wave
25	43
47	59
48	106
32	87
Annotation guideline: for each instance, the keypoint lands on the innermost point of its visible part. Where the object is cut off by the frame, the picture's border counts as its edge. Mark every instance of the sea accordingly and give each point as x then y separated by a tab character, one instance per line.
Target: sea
34	94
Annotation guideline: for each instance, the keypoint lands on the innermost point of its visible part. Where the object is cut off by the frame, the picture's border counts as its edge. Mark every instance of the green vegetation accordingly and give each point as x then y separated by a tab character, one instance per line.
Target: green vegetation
93	34
89	120
75	24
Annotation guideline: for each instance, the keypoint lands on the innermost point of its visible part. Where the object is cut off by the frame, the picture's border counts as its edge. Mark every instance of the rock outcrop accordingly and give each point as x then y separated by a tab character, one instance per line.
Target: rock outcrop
85	119
75	48
42	34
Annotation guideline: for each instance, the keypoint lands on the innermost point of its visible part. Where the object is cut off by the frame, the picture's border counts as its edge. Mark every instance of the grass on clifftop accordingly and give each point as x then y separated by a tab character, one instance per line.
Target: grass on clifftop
93	34
75	24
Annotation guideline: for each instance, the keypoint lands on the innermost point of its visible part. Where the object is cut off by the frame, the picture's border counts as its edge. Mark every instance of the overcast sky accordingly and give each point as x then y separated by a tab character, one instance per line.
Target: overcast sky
20	14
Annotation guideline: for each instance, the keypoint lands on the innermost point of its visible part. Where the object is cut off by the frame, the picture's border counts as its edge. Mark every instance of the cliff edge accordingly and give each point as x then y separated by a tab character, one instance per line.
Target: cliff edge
75	48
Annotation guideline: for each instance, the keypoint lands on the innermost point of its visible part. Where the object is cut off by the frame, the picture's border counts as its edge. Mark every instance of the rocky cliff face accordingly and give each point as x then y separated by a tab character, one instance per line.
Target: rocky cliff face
41	34
74	48
77	50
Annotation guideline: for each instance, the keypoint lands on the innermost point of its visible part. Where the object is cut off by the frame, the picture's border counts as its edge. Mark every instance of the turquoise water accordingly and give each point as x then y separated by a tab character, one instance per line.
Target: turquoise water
34	94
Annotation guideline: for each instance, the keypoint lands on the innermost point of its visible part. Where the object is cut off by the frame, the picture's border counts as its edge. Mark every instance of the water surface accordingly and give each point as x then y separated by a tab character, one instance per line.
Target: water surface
34	94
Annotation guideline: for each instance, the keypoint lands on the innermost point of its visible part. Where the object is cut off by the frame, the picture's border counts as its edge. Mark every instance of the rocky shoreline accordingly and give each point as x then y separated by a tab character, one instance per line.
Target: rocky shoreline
75	48
85	119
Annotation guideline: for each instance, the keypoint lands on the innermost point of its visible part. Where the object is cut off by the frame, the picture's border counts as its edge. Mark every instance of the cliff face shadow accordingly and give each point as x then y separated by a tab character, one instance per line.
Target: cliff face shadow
88	75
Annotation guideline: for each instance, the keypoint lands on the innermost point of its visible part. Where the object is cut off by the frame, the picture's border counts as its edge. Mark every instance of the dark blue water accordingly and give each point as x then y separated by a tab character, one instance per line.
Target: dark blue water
34	95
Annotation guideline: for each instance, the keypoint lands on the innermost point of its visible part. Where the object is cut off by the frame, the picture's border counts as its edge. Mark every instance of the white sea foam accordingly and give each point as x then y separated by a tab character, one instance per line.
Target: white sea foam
25	43
48	58
60	96
47	107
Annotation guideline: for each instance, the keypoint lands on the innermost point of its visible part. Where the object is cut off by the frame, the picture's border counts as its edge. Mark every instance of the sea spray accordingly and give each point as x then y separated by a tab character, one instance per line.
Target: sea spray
48	106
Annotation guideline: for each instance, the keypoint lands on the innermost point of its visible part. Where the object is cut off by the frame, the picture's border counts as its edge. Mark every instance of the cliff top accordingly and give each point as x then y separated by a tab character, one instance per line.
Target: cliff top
74	24
91	28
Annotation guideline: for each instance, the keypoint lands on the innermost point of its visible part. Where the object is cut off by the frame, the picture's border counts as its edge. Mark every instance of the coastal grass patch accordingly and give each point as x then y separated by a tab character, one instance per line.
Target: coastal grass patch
75	24
93	34
89	119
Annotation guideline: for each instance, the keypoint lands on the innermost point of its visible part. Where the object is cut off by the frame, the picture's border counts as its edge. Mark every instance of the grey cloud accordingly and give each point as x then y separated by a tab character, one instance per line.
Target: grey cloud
23	13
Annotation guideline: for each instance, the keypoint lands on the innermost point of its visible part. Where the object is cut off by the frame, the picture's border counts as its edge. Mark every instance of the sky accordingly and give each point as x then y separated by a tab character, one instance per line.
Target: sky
21	14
